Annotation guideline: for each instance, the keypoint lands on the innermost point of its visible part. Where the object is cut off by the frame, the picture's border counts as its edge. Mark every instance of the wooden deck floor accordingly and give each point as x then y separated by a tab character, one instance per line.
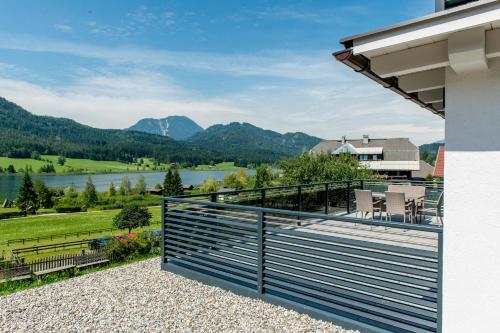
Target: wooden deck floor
379	234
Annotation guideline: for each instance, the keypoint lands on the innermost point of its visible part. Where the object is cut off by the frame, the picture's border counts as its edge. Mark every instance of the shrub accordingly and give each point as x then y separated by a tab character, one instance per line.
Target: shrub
117	250
144	243
69	209
9	215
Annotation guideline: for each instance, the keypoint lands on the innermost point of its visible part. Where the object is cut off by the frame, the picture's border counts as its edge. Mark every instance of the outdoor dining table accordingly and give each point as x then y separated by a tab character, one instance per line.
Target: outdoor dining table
408	198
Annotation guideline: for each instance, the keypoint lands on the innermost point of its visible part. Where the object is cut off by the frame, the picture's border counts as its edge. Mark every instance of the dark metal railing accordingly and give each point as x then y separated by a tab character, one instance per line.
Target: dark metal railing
374	276
326	197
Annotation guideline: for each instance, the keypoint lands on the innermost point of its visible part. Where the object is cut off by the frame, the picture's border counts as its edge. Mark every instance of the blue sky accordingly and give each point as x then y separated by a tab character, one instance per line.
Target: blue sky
110	63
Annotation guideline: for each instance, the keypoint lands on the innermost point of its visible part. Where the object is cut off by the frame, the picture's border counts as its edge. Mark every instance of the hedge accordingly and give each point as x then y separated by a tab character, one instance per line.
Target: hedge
69	209
8	215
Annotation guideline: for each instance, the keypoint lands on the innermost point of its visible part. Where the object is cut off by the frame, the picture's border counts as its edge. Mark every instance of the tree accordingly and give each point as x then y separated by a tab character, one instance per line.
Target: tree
141	186
263	176
89	194
308	168
168	183
61	160
70	192
238	180
132	217
111	189
177	187
47	168
125	186
44	194
1	169
209	185
27	200
11	169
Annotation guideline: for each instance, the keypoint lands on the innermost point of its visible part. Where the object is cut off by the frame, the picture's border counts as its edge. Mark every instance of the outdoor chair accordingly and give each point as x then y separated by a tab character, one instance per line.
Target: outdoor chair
436	209
395	204
416	192
365	203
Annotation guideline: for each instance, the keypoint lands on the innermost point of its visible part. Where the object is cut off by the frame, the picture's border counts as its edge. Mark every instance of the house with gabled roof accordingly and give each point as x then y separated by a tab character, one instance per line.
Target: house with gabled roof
391	157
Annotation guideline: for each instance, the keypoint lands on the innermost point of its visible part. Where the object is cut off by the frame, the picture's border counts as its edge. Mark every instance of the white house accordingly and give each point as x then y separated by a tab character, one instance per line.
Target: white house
449	63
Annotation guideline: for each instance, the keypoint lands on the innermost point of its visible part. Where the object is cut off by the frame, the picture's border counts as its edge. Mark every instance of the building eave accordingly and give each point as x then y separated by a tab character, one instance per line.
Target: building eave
426	20
361	64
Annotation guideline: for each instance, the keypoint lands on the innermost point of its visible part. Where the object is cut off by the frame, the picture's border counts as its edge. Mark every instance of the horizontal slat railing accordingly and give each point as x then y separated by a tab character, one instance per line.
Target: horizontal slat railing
374	276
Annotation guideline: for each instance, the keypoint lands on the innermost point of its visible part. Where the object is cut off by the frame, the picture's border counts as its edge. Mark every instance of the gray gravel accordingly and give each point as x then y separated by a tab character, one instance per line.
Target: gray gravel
141	298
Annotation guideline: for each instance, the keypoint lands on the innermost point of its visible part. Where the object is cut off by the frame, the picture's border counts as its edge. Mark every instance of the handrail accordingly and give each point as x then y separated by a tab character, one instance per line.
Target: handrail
427	228
426	183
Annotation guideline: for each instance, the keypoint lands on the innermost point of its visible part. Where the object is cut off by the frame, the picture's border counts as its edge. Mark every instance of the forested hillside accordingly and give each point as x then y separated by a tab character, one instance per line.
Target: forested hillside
242	142
23	134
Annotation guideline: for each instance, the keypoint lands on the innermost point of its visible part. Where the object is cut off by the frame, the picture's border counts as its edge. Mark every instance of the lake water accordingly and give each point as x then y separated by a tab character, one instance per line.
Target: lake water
9	185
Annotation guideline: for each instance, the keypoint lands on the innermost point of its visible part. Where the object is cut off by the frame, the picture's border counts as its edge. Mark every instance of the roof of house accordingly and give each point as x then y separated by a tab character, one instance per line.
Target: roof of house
439	168
410	58
394	149
425	169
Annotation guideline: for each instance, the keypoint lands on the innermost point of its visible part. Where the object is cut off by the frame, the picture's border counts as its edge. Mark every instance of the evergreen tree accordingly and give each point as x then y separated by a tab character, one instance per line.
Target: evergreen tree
27	200
61	160
125	186
44	194
111	190
168	183
177	187
141	186
11	169
89	194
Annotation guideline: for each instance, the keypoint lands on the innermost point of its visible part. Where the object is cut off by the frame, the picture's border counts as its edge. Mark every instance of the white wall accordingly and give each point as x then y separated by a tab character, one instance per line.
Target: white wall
472	202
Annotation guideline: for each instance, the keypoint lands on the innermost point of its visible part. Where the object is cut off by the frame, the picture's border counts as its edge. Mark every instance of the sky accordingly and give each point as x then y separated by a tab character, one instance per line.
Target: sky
111	63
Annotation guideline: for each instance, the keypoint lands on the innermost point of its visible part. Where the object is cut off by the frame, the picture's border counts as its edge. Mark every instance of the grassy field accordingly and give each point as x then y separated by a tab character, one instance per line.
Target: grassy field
53	224
75	165
219	166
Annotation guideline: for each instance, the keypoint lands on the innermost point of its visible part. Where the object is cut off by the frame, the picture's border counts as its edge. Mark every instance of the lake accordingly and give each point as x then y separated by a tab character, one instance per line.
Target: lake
9	185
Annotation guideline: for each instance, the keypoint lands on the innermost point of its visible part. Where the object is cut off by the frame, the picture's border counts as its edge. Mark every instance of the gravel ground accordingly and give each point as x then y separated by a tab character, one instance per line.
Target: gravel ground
141	298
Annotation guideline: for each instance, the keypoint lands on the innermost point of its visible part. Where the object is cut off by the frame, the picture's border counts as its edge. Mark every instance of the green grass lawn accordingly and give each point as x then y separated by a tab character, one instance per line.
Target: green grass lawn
219	166
44	225
75	165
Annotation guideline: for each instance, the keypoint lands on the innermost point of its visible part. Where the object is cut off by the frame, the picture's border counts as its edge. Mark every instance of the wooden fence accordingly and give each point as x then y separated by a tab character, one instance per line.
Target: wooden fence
11	270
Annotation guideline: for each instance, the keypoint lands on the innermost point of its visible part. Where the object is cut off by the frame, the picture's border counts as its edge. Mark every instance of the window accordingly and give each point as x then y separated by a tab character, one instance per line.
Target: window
363	157
374	157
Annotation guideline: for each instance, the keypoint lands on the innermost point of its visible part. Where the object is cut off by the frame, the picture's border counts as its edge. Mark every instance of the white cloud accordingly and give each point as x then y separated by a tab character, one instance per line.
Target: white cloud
63	27
308	92
308	65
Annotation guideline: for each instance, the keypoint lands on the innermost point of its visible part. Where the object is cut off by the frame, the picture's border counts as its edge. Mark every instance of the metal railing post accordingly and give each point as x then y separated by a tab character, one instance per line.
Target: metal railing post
260	251
263	198
299	198
440	283
348	197
163	230
213	197
362	184
326	198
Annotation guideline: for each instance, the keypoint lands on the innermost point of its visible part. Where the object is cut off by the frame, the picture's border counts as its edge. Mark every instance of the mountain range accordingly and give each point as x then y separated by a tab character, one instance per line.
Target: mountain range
23	133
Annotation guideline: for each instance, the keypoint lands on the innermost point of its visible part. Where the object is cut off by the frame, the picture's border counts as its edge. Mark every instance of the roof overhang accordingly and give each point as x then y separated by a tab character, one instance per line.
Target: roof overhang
410	58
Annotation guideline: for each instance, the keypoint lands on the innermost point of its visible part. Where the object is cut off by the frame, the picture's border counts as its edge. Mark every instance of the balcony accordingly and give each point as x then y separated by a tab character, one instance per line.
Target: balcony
302	247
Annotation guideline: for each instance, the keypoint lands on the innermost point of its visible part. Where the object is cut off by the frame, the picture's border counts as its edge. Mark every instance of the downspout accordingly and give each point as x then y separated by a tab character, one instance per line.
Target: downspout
361	64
